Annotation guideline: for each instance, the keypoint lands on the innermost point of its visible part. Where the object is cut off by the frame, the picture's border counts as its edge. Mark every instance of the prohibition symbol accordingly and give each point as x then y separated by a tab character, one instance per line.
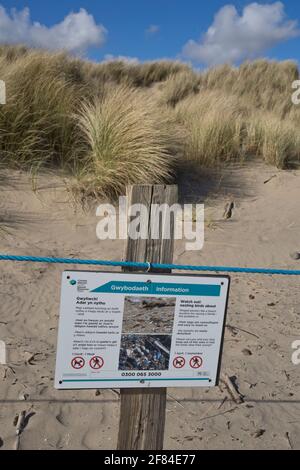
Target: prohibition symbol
196	362
96	362
77	362
178	362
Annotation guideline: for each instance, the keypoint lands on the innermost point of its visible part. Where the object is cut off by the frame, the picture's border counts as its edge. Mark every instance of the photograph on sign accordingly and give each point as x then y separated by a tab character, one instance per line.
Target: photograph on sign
145	352
121	330
156	312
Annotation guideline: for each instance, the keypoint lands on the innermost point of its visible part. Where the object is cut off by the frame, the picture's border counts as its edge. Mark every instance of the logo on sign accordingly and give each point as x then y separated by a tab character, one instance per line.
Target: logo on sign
178	362
196	362
77	362
96	362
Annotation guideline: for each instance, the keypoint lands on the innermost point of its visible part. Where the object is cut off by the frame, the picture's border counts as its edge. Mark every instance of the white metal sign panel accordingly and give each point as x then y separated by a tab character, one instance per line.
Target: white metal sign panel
120	330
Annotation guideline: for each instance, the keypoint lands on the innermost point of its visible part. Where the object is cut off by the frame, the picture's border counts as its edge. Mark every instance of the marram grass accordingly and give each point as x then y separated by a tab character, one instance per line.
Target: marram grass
113	124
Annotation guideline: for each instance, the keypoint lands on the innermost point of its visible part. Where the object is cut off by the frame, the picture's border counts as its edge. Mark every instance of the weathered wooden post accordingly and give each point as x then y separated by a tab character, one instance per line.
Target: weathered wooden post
142	413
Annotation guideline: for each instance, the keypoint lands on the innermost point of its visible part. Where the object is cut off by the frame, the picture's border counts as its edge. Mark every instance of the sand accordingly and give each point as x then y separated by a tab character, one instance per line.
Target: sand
41	218
148	315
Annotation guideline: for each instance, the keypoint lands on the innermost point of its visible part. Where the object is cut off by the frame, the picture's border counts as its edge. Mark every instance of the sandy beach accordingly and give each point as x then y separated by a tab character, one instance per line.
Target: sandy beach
41	218
148	315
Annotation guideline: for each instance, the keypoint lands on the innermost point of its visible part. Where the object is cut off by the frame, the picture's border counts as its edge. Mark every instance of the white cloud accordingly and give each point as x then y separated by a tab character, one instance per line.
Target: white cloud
121	58
152	29
76	33
233	37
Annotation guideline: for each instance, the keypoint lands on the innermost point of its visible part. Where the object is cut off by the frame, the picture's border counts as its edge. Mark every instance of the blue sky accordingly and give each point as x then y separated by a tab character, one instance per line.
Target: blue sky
153	29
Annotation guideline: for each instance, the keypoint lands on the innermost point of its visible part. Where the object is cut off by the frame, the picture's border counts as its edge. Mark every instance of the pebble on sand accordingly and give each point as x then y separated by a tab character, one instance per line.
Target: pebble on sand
259	433
247	352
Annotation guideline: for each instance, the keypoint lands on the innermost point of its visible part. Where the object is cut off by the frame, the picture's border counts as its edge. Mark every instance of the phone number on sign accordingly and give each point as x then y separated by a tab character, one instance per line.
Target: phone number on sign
141	374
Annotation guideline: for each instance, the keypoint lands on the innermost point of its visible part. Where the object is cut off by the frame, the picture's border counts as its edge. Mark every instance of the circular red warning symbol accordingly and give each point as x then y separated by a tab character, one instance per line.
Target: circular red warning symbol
77	362
178	362
196	362
96	362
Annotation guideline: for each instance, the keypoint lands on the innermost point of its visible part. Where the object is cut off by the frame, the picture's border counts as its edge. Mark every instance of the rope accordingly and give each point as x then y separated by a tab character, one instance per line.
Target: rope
147	265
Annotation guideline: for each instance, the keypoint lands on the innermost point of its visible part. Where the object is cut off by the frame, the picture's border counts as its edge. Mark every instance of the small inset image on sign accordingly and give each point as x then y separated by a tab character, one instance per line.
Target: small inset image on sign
148	314
145	352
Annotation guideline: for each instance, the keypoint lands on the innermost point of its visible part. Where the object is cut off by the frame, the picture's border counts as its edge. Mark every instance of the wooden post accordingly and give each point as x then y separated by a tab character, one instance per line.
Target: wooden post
142	413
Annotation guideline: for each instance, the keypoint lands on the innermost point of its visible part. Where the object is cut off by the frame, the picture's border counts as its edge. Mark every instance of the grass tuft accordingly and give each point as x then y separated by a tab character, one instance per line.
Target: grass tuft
129	141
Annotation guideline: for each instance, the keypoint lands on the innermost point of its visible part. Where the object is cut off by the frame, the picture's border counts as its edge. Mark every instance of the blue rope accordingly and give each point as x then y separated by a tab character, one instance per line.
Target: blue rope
145	266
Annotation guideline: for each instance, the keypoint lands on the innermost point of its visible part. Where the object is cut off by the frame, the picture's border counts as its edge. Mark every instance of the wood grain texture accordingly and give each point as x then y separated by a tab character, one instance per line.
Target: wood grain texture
154	251
142	419
142	412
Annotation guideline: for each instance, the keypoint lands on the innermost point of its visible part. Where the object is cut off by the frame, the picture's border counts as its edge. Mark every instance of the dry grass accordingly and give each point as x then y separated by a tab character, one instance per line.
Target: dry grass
113	123
129	141
215	125
274	139
136	75
219	129
37	127
241	112
263	84
179	86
